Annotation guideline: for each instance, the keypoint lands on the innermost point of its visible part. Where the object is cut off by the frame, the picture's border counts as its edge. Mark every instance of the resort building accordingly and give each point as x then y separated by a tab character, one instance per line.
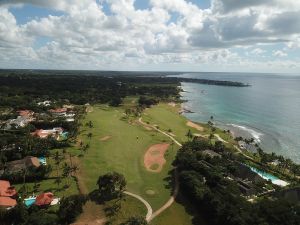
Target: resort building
55	132
59	111
7	195
25	117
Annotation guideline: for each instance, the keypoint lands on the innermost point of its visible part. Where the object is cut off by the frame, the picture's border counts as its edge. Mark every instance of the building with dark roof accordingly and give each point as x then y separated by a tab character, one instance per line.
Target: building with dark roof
21	165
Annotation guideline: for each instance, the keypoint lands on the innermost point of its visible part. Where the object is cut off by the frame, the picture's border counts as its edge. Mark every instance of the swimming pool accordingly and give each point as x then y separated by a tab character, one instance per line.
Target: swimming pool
43	160
65	134
29	201
267	176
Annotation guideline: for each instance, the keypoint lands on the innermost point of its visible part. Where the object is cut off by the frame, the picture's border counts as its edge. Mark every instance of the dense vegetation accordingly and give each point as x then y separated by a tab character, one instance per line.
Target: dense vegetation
21	89
204	181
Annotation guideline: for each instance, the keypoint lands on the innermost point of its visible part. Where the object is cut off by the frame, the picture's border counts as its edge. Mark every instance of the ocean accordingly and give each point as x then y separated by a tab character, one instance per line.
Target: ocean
268	110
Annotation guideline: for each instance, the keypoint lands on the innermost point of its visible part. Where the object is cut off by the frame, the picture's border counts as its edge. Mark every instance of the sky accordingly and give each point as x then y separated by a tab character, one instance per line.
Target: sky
152	35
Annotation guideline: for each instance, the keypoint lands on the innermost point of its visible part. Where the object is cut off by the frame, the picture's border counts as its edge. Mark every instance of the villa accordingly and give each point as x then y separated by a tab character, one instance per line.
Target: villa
44	199
55	132
59	111
24	118
25	113
7	195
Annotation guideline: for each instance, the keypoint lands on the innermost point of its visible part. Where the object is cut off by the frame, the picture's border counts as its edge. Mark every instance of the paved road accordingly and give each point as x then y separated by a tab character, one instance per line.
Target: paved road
155	128
169	202
148	206
176	189
220	139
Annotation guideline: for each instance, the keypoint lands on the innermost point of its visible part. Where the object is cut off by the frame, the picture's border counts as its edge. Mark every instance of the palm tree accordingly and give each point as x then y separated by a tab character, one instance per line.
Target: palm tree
211	136
189	134
67	172
89	135
56	157
90	124
295	169
74	170
24	171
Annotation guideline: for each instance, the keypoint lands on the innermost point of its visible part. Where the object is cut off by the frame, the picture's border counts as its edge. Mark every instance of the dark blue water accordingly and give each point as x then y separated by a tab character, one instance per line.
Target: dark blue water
269	110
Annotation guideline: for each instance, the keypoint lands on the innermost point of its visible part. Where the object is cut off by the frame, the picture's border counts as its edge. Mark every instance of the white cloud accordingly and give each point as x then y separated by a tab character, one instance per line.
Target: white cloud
169	32
279	53
258	51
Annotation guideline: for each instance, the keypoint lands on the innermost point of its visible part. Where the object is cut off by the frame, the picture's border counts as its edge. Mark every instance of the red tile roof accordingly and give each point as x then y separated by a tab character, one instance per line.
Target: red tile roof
25	112
6	190
44	199
7	202
58	110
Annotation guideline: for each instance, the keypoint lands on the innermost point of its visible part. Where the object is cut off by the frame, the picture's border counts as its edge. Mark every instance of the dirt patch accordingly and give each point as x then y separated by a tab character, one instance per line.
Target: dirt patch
150	192
89	109
173	104
148	128
105	138
78	142
154	157
194	125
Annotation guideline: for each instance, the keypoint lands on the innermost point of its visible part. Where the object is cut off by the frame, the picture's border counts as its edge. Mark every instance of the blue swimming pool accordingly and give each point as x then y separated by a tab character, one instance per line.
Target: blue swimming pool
64	135
267	176
29	201
43	160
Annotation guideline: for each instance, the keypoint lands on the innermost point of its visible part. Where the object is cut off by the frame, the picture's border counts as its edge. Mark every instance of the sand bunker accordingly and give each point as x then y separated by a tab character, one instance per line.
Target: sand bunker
194	125
105	138
154	157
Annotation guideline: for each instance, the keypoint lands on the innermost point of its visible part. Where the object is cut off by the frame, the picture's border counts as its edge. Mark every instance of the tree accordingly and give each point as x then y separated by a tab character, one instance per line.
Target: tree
115	102
70	208
89	135
189	134
135	220
295	169
67	170
111	185
211	136
57	159
42	218
90	124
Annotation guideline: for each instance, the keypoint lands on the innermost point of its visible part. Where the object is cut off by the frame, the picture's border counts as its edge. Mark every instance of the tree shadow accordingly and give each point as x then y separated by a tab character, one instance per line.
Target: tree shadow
190	209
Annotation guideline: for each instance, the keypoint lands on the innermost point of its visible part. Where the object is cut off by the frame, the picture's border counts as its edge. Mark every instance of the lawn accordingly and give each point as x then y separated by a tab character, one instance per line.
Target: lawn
119	144
123	153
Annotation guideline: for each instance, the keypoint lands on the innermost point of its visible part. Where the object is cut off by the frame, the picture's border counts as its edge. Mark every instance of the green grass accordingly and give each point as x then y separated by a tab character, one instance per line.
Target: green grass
167	117
129	207
123	153
49	185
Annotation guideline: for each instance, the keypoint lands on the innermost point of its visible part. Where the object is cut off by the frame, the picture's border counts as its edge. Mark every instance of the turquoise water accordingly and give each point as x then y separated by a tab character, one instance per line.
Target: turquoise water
29	202
269	110
43	160
65	135
264	175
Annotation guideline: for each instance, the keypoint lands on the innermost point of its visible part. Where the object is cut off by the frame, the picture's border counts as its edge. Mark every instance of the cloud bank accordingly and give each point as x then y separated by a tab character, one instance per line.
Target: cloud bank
168	34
